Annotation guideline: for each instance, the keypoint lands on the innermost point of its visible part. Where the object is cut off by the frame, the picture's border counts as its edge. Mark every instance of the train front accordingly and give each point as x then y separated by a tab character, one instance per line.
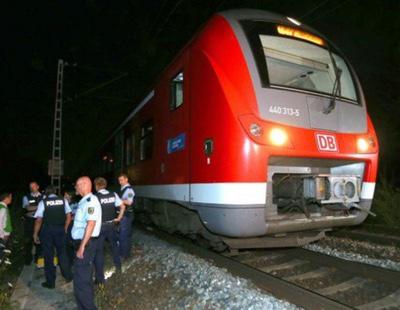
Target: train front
311	126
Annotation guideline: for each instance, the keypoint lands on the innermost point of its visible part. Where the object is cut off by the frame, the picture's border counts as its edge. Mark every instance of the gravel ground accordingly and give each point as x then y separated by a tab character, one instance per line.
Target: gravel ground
165	277
384	256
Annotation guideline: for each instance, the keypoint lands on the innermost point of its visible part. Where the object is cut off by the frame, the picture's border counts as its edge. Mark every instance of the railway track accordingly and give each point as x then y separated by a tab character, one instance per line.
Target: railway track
353	284
305	278
372	235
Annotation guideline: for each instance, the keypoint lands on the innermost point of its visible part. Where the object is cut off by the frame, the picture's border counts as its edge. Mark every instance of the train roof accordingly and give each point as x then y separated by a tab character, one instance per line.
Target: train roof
239	14
236	15
233	16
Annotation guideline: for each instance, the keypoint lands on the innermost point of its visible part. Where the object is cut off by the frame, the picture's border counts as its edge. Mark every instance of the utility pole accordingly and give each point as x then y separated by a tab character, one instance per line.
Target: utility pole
56	163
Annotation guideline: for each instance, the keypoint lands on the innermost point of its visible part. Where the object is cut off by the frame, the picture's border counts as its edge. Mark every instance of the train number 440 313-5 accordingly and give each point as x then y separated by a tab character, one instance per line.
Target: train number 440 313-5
274	109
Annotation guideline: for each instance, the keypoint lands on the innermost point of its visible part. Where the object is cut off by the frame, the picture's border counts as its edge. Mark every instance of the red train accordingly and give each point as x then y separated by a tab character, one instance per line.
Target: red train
256	135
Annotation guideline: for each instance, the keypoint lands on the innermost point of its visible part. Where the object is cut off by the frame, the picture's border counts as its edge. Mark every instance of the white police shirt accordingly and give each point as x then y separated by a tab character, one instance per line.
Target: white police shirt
40	210
129	194
89	209
118	201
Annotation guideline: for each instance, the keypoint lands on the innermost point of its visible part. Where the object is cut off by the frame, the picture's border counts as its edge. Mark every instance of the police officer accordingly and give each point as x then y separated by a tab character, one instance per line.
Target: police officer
109	202
53	216
85	232
30	203
125	228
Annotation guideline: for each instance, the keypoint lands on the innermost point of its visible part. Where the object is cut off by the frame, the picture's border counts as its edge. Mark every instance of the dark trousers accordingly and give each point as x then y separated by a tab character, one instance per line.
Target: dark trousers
69	246
53	236
107	233
29	223
125	235
3	246
83	282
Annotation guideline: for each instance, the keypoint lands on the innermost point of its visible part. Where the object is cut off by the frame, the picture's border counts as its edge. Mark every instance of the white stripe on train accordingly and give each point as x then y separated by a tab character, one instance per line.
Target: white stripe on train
367	190
221	193
211	193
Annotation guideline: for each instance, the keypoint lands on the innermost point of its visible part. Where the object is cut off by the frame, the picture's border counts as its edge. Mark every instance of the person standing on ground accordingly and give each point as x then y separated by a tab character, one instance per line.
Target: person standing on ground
125	228
53	216
5	220
109	202
85	232
30	203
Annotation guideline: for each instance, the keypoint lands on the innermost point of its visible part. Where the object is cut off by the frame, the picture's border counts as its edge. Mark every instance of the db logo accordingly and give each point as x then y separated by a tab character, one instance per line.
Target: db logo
326	143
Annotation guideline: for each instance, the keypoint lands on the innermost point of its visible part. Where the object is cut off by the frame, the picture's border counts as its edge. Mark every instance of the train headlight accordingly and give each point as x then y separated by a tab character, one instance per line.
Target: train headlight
266	133
339	190
350	189
366	145
362	145
344	189
278	136
256	130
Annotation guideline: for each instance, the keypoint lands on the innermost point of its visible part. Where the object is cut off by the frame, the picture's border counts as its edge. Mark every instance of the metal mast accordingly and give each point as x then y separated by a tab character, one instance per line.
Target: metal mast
56	164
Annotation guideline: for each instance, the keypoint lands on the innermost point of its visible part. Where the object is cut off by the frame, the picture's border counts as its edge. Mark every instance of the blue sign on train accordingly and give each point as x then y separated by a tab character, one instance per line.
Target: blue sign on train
177	143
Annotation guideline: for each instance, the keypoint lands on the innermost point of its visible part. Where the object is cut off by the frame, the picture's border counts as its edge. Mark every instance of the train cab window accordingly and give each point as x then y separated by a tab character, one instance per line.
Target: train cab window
306	66
130	149
146	141
293	58
176	99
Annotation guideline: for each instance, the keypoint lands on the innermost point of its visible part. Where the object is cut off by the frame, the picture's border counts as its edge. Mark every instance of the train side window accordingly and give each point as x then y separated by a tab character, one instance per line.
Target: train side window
176	99
146	141
130	149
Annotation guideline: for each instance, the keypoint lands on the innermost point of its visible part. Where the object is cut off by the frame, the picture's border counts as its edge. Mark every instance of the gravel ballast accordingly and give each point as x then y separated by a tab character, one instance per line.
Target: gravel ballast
165	277
383	256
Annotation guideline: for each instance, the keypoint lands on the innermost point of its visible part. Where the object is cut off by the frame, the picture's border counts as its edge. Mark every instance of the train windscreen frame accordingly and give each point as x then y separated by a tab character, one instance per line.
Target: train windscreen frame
298	64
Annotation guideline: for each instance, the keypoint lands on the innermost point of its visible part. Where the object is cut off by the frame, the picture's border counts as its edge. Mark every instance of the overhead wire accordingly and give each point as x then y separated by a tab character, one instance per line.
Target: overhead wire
168	18
330	11
157	19
219	5
125	74
315	8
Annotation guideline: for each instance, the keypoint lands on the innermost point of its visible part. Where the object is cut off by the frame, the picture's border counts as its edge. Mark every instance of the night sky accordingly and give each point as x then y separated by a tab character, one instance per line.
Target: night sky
136	39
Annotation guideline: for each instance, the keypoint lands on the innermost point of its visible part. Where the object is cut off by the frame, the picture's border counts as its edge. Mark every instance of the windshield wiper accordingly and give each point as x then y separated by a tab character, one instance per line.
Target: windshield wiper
336	85
335	92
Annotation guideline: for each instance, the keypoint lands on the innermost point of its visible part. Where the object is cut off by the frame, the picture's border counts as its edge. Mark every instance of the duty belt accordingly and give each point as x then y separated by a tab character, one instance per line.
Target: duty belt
77	242
30	214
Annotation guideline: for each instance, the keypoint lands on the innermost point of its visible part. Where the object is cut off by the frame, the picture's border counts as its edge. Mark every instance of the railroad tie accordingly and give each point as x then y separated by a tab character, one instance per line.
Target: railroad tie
252	260
389	301
317	273
344	286
288	265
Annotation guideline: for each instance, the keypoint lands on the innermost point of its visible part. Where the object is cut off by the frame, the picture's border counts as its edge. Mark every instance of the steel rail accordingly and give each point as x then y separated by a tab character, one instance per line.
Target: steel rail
360	269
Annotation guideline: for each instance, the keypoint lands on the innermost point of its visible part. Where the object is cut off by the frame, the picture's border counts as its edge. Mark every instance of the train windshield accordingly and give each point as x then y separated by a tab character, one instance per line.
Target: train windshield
300	64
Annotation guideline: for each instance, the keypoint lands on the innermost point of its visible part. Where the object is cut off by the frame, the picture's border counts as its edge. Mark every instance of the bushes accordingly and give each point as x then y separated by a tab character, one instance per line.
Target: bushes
386	205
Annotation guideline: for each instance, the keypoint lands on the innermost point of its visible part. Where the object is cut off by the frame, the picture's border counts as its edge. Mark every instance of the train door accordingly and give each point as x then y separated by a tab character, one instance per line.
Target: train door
175	164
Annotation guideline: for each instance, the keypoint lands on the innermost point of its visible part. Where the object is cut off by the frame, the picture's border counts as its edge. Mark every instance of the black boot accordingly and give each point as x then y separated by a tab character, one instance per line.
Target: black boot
48	285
